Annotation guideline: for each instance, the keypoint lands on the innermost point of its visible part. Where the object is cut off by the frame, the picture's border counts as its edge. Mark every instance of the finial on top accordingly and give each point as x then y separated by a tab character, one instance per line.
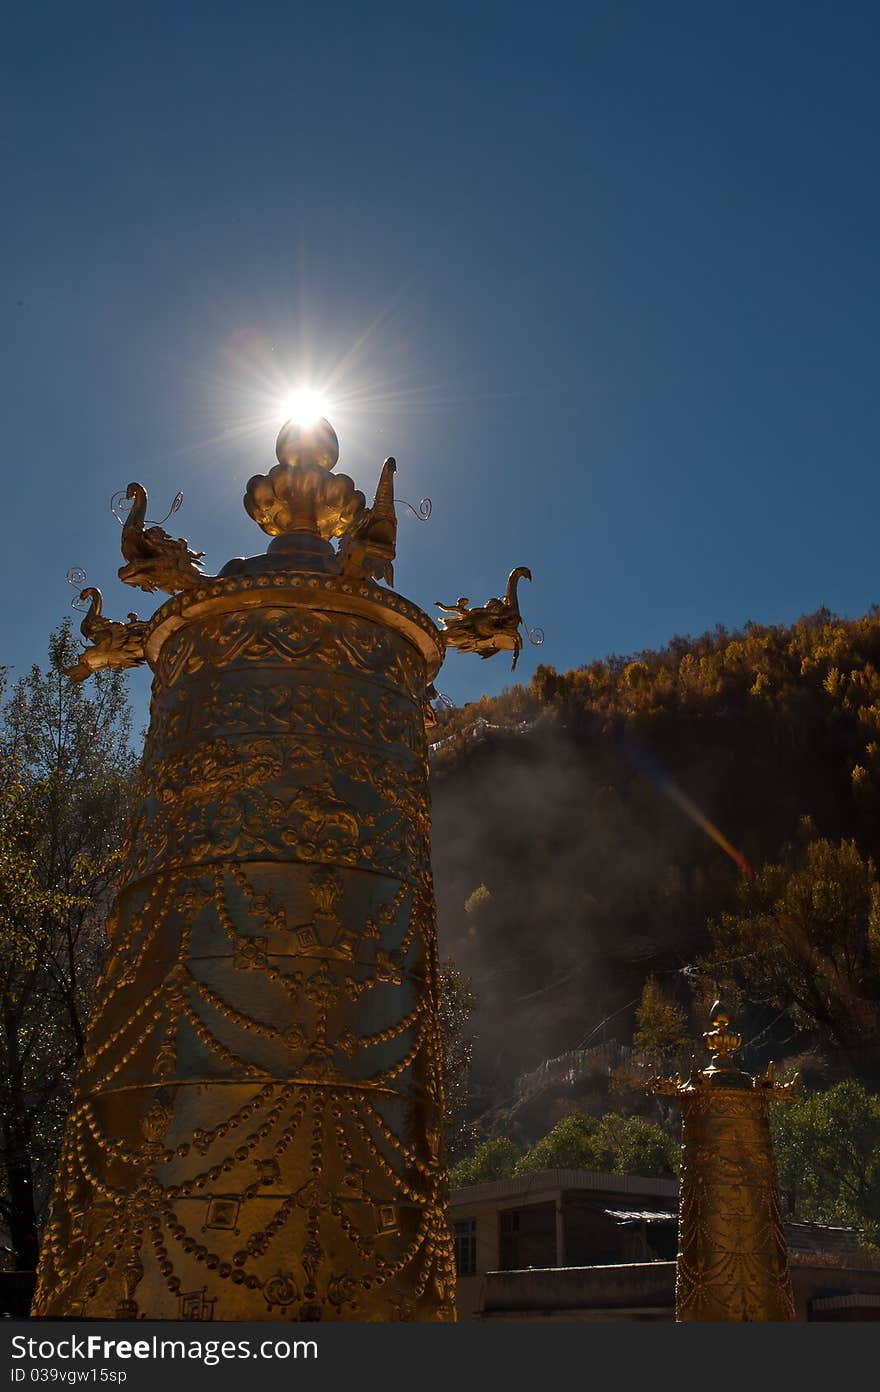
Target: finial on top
312	442
721	1041
301	495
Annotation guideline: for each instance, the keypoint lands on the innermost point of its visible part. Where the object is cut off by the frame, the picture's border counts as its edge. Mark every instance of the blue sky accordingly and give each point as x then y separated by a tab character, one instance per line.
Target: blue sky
603	277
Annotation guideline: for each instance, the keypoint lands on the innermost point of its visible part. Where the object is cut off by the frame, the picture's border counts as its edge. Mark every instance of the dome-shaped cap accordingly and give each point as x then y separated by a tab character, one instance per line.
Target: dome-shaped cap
312	443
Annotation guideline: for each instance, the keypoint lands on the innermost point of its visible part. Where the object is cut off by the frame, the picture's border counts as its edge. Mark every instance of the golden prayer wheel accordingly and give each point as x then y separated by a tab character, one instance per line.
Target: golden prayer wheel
732	1256
257	1127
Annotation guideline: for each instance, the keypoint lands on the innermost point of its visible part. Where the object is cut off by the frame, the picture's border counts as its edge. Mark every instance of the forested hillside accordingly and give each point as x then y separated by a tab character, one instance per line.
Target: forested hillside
704	815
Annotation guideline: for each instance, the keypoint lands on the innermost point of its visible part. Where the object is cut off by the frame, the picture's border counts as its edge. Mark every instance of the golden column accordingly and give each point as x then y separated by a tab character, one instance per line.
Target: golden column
732	1256
257	1128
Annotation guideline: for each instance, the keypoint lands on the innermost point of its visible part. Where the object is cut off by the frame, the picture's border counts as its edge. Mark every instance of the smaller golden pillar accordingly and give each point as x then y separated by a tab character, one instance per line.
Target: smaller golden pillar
732	1257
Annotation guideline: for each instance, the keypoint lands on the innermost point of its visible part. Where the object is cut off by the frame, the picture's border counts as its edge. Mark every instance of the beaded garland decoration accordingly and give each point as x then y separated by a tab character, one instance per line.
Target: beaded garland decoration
257	1127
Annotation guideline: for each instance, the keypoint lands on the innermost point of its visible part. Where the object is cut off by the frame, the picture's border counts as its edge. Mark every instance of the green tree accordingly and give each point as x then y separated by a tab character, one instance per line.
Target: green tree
828	1157
634	1145
569	1146
490	1161
68	776
611	1144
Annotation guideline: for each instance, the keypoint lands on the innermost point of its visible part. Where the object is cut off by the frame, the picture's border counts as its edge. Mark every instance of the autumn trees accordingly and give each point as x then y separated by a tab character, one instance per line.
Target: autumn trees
589	894
661	1031
804	942
759	729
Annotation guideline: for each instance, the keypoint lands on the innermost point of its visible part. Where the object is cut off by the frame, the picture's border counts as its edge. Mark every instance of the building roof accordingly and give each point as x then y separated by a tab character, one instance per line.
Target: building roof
823	1238
530	1186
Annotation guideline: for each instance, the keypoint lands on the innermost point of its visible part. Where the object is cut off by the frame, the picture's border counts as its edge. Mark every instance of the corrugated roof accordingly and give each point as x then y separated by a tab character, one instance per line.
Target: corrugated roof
635	1215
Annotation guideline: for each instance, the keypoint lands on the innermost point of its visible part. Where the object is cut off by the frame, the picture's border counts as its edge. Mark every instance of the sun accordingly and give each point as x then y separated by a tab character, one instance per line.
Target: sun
304	405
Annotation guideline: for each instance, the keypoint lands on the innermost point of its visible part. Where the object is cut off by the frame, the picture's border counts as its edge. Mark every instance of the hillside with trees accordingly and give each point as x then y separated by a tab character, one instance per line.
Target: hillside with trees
700	819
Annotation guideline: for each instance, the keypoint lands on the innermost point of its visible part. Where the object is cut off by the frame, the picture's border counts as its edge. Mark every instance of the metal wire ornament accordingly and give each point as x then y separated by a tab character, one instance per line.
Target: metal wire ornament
424	511
120	506
77	577
444	701
534	635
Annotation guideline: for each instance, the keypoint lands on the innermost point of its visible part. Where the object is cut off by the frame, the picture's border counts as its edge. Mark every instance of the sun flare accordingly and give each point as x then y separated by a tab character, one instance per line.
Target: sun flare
304	405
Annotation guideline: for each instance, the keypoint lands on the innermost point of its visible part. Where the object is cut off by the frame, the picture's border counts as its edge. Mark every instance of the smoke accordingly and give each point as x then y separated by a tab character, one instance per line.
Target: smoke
588	885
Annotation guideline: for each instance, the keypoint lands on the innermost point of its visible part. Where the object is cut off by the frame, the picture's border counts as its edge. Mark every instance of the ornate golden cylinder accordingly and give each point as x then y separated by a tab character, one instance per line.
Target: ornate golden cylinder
257	1128
732	1260
732	1256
